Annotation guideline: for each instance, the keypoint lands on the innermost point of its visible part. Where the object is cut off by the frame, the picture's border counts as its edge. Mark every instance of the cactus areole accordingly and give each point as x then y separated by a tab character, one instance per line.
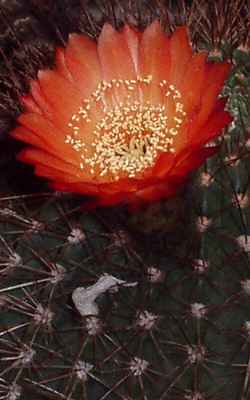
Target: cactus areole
124	119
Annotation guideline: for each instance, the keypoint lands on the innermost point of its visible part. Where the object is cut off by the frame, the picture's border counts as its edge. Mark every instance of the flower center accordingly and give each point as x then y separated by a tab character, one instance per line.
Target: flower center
131	131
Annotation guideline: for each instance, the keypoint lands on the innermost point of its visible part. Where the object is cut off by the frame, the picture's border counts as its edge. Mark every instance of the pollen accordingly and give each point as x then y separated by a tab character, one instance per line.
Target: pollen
131	132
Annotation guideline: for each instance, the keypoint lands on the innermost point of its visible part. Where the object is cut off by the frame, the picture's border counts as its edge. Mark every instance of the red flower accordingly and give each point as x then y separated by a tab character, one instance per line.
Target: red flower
124	119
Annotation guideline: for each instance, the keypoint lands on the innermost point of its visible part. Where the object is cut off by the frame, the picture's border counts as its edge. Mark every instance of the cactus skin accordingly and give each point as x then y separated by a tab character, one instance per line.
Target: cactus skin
183	331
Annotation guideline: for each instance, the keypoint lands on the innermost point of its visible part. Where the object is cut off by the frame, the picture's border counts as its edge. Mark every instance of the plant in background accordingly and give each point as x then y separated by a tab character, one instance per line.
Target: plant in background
105	305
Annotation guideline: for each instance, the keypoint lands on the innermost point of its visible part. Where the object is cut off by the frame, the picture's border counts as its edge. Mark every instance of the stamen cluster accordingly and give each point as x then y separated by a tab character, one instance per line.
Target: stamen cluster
129	136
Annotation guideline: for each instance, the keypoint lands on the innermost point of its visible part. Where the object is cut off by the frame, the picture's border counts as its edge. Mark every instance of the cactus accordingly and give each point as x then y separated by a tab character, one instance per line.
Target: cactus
110	305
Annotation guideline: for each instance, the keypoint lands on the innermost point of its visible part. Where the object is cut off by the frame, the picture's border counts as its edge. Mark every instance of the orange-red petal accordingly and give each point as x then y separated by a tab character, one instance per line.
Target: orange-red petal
155	53
29	137
123	185
191	160
61	95
50	134
116	62
215	79
83	63
163	165
84	188
180	53
133	38
66	182
40	99
30	104
211	129
192	83
61	66
115	56
36	156
154	60
53	174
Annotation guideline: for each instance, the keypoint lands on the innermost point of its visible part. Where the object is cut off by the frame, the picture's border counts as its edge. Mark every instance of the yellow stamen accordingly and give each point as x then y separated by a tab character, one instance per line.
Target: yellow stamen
129	137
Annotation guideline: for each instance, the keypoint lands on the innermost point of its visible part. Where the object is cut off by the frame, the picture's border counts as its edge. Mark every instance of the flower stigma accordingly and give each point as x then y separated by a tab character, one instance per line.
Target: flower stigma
129	136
